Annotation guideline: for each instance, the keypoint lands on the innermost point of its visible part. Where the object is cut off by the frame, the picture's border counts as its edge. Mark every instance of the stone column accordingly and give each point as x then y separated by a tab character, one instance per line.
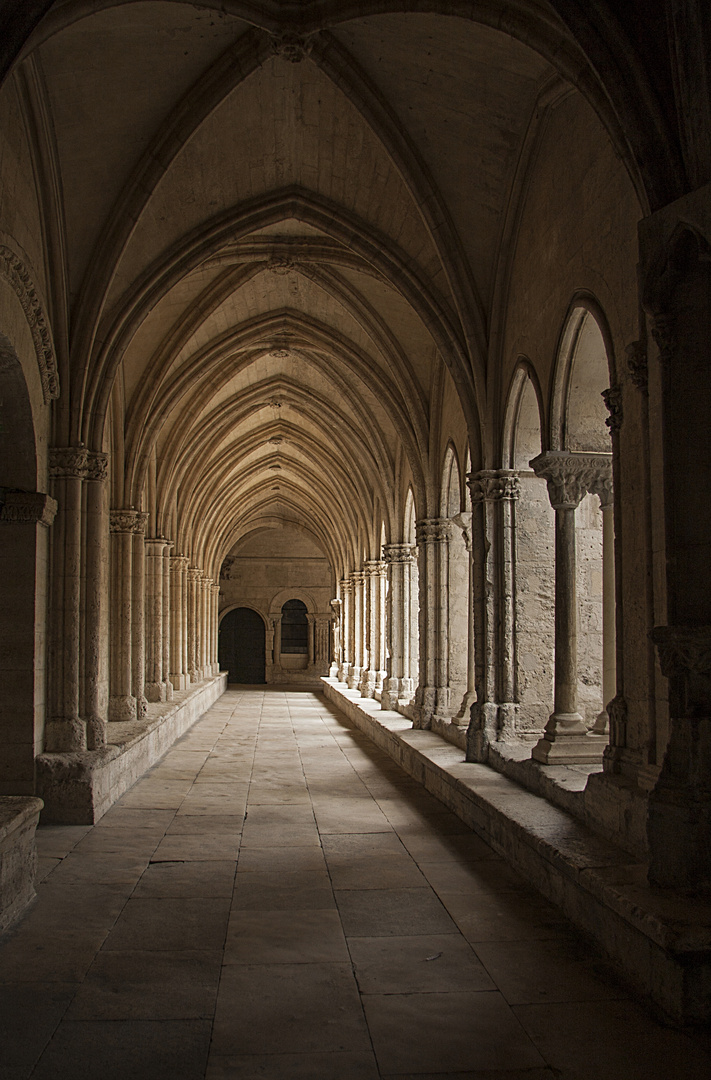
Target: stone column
178	603
569	478
346	586
464	522
138	616
165	666
609	647
203	637
322	641
65	729
397	685
25	518
372	675
432	695
122	703
493	494
381	673
96	612
213	628
358	625
337	657
277	640
194	576
155	688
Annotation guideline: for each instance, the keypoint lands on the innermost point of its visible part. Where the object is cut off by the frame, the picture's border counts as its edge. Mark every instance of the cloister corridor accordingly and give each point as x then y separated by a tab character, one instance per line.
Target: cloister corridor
277	899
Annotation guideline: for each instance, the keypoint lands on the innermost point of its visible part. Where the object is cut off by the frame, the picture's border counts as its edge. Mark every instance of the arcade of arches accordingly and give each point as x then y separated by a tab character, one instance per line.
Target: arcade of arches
377	335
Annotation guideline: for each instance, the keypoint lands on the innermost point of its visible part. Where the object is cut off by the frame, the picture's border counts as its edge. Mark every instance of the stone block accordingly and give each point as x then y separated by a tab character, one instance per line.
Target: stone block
18	855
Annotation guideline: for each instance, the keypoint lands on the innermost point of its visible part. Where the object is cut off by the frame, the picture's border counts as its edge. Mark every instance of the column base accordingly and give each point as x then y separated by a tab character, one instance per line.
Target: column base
482	730
156	691
95	732
180	682
353	678
122	709
367	683
65	735
567	742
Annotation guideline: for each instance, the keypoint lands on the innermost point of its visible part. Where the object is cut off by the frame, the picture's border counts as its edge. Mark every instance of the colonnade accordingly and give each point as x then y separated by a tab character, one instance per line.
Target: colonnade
129	620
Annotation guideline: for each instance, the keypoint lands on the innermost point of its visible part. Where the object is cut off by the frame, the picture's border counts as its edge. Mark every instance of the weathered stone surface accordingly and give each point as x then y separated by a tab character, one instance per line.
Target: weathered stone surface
18	855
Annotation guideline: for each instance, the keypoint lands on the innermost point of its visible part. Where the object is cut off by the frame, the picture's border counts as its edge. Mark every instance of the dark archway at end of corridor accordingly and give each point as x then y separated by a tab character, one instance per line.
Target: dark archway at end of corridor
242	646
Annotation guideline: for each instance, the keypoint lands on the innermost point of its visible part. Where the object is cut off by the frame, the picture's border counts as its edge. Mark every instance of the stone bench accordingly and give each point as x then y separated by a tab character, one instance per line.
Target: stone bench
19	815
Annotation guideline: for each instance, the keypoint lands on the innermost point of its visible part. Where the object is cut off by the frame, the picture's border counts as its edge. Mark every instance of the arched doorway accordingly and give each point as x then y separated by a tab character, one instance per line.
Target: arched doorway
241	646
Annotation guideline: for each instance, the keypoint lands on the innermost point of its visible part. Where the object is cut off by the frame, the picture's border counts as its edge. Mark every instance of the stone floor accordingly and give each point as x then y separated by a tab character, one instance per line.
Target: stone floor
276	899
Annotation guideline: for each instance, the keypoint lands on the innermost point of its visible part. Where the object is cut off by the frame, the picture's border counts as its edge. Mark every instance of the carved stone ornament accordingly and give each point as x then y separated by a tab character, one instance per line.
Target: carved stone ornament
226	568
28	507
194	573
281	264
127	521
292	47
357	578
14	271
374	568
433	530
346	585
68	461
636	353
570	476
399	553
613	403
97	465
179	562
683	650
490	485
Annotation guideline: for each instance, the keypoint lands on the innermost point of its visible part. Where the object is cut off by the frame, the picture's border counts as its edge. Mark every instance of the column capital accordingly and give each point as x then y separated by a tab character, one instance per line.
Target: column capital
179	562
357	577
97	466
194	573
127	521
492	485
399	553
570	476
157	544
215	589
27	508
374	568
433	530
636	353
683	650
346	585
68	461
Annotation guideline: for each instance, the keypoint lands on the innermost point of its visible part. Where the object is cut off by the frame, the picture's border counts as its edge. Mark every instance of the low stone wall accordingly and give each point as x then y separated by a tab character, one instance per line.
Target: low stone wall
660	940
79	788
19	815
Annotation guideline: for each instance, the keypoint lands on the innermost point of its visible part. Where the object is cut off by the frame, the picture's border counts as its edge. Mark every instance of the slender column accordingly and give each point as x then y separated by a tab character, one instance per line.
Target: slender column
122	703
432	692
322	641
138	616
462	718
569	478
355	672
66	730
205	587
310	639
609	648
397	685
336	658
166	633
214	660
178	602
346	586
154	554
95	651
184	618
194	575
277	640
372	676
381	673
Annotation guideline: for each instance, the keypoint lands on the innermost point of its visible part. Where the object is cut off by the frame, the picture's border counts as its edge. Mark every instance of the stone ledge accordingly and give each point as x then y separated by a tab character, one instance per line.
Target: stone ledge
19	815
661	941
78	788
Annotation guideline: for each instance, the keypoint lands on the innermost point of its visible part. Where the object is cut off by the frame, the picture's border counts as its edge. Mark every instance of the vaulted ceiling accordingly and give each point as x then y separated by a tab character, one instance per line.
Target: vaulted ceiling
277	253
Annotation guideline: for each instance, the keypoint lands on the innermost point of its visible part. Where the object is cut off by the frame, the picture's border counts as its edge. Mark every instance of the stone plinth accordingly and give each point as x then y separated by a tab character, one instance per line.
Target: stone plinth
79	788
19	815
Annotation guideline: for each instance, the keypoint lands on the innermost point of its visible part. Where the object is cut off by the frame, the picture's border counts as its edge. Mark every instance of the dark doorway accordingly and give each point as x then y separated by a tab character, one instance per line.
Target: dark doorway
241	646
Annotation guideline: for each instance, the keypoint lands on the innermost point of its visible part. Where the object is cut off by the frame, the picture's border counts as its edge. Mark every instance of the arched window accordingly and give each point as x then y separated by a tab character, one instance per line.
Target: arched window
294	627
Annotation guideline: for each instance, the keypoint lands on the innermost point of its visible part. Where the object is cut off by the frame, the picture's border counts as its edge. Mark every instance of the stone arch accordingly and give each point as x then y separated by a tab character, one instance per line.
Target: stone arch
242	644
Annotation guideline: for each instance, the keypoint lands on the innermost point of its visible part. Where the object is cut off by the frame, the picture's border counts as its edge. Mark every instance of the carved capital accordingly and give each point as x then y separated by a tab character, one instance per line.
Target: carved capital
357	578
613	403
490	485
399	553
178	563
636	353
68	461
571	476
155	546
346	585
27	508
194	573
14	271
433	531
127	521
683	650
97	465
374	568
